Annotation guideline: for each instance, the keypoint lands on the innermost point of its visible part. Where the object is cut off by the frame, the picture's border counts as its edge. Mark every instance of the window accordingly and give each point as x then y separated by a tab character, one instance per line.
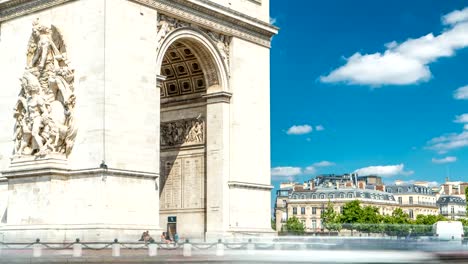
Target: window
452	210
294	210
302	210
411	200
342	195
331	196
410	212
400	190
285	202
350	195
314	210
314	224
400	200
314	196
322	196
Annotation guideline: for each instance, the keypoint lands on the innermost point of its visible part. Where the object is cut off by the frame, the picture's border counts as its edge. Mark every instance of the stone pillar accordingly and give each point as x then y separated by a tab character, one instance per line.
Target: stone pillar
217	163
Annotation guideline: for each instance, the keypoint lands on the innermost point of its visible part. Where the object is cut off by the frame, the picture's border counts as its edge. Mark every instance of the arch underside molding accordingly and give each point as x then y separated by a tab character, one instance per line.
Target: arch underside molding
212	64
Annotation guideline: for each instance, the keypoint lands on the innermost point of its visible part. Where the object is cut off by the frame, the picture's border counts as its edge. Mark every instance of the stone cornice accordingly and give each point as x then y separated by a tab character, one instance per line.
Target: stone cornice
202	13
44	171
249	185
215	17
16	8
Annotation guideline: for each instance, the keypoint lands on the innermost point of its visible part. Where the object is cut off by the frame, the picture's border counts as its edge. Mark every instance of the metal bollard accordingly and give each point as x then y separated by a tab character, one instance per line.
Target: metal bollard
152	249
116	248
77	248
187	251
250	247
37	249
220	248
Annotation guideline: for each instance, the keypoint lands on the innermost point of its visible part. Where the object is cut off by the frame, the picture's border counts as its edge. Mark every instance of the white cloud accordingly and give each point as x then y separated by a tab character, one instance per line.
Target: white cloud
461	93
461	118
310	170
323	163
384	171
456	17
448	142
299	130
285	171
377	69
448	159
465	127
407	62
430	184
319	128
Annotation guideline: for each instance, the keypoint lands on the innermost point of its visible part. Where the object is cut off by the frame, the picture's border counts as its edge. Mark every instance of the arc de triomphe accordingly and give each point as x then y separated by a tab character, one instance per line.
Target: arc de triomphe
120	116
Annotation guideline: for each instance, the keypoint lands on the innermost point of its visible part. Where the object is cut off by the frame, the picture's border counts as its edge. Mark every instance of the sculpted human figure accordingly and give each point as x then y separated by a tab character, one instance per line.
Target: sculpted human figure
44	112
45	46
164	28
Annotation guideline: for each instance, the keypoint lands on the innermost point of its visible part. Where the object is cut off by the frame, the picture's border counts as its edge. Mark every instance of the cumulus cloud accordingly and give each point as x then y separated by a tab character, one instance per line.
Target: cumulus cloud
407	62
461	118
310	170
323	163
461	93
384	171
430	184
299	130
285	171
319	128
456	17
448	159
448	142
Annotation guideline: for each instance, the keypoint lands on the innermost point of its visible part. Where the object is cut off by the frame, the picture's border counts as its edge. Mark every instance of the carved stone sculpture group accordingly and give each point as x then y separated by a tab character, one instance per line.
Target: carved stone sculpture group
44	110
182	132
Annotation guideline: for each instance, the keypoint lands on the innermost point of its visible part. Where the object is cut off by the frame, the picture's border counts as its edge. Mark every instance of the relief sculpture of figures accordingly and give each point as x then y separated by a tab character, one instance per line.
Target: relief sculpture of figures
182	132
165	25
44	111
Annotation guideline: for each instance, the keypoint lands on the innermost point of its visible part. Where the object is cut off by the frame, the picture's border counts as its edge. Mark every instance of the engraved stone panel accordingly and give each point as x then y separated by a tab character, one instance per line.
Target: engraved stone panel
182	183
193	182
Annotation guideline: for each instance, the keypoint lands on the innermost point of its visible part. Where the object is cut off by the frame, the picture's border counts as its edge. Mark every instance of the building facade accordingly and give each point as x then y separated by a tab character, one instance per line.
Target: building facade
414	199
452	207
308	205
132	116
307	201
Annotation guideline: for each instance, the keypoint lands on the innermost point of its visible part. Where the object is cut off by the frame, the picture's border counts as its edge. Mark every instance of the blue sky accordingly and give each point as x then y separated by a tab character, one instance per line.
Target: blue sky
370	86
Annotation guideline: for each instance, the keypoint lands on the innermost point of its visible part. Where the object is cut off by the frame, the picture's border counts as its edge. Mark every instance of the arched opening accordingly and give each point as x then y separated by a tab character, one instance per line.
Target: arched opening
189	71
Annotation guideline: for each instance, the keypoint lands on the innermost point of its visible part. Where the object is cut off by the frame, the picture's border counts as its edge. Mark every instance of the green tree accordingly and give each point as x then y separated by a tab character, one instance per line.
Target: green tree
273	223
370	220
466	199
397	224
330	218
293	225
352	212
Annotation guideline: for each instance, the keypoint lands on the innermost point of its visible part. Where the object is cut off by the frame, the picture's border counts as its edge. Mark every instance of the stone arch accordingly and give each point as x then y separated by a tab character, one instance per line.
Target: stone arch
206	51
188	165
